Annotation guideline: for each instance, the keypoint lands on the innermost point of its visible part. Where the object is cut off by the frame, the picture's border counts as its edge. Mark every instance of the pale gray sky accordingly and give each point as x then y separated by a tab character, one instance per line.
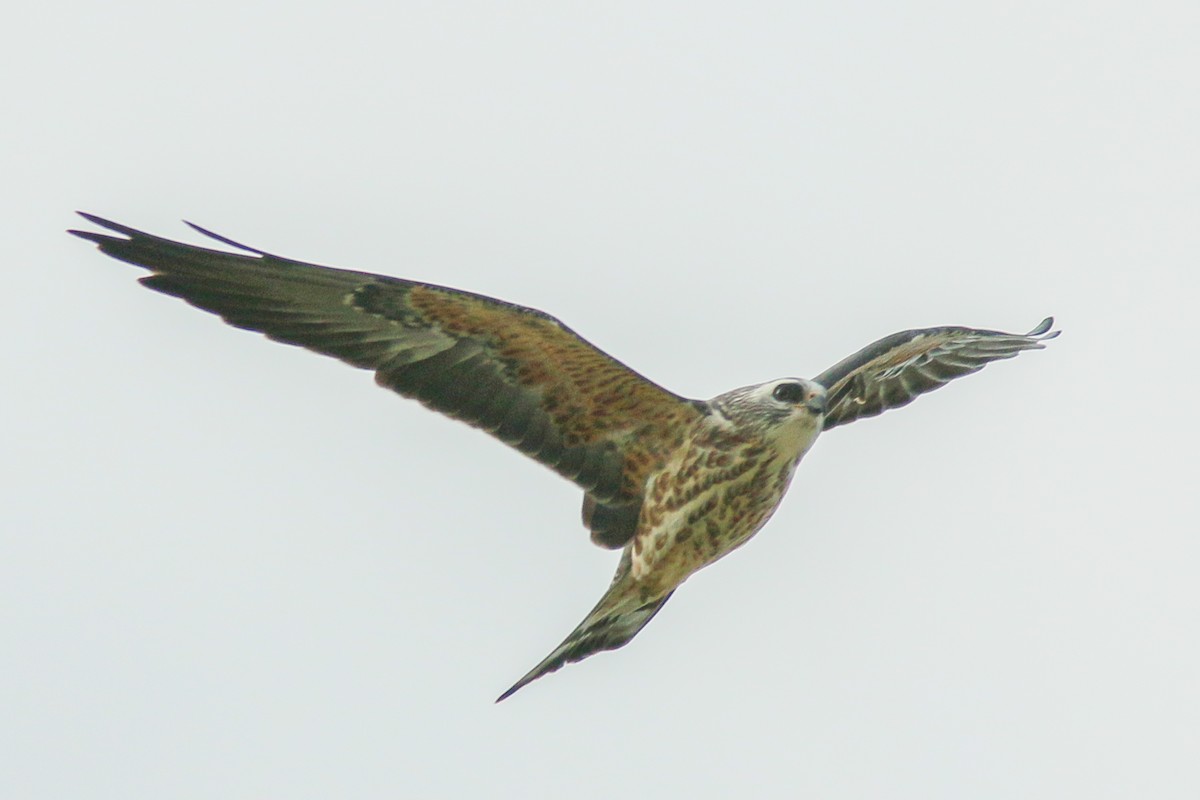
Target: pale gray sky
234	569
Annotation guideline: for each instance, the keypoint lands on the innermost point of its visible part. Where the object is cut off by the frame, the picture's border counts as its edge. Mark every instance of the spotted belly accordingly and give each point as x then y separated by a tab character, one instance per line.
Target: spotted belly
708	506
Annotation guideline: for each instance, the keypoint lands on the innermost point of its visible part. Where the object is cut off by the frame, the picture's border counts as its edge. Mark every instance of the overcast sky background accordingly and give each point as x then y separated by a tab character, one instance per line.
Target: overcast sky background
233	569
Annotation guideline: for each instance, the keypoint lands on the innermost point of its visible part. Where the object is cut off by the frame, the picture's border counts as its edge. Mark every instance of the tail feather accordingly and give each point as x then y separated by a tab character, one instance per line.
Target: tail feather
600	630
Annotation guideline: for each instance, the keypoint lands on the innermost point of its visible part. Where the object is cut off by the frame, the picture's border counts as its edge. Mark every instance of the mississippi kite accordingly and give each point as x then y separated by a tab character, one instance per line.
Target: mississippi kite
674	483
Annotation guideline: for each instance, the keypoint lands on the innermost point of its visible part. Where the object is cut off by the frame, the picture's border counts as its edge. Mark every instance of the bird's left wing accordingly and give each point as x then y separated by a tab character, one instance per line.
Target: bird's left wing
891	372
515	372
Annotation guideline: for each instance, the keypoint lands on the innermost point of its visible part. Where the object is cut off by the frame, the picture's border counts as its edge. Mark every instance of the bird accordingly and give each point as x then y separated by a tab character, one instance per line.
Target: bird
673	483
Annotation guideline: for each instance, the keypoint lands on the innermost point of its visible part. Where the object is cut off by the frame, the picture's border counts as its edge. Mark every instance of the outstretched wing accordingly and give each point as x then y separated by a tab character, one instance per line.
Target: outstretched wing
514	372
891	372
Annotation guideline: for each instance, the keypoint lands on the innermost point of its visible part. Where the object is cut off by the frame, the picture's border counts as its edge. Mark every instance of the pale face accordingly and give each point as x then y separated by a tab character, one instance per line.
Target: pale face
796	409
788	412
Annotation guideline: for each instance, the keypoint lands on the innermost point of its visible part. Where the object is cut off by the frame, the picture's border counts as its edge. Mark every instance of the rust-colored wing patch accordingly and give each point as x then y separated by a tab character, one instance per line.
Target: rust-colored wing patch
588	395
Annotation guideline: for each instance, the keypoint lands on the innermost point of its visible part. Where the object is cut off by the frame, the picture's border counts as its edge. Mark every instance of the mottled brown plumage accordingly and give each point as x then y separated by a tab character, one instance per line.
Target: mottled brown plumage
715	489
675	483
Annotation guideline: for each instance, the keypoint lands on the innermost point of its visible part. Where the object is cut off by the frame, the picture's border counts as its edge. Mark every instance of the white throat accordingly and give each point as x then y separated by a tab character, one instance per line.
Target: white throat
794	438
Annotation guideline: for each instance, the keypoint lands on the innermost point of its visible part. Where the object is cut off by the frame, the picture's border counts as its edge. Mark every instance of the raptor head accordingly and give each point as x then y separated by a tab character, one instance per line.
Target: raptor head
787	411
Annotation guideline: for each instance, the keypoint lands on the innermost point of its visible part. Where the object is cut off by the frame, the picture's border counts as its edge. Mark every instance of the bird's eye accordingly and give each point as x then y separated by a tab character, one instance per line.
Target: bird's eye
788	393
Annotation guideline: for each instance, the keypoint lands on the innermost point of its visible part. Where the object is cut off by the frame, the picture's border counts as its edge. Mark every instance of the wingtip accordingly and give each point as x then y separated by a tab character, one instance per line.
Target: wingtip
1042	331
124	230
103	223
92	218
224	239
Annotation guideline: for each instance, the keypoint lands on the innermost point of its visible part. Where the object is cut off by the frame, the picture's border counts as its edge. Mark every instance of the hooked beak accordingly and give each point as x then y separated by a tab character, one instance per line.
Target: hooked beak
816	404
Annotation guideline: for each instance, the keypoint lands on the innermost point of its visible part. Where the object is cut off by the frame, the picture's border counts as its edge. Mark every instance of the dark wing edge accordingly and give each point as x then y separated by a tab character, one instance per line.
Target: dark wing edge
893	371
514	372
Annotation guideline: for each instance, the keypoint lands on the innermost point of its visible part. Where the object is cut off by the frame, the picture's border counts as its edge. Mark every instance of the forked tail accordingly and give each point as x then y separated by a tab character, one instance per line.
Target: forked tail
603	629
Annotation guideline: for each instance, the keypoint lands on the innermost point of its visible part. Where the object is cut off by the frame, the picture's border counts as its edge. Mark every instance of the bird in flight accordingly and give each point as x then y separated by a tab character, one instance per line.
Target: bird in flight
674	483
